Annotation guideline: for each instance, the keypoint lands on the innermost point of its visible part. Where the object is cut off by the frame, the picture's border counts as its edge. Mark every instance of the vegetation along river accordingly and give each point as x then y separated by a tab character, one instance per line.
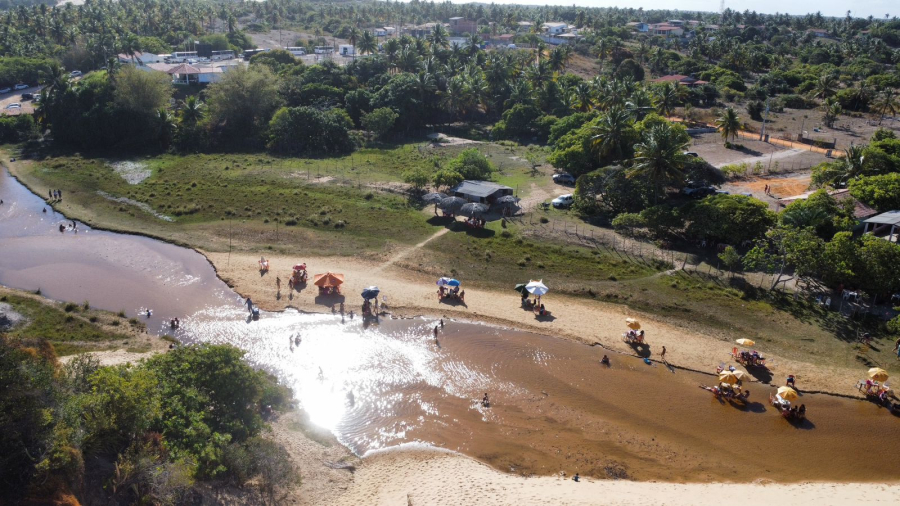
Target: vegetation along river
554	407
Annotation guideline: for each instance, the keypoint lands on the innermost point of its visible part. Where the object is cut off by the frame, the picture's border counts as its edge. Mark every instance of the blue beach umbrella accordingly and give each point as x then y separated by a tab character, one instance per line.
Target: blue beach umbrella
370	293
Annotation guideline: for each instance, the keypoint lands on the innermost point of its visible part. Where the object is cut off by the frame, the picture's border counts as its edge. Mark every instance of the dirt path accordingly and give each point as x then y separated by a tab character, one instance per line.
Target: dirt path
537	195
404	253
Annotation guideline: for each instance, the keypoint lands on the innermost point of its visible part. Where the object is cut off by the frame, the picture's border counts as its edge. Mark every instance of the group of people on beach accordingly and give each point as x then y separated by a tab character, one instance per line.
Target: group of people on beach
56	195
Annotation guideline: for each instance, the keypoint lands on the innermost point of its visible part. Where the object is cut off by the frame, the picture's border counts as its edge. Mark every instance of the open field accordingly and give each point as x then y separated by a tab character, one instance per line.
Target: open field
773	158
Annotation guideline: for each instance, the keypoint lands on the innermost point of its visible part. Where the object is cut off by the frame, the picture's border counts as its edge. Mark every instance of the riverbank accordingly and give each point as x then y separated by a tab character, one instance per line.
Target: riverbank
410	294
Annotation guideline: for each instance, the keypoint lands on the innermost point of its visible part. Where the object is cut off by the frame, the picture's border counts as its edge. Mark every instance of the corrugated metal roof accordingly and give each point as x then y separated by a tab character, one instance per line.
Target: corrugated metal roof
478	188
888	218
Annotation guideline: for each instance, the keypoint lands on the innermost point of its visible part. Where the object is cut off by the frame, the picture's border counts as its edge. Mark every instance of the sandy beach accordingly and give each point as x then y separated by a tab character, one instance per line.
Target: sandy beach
411	294
443	478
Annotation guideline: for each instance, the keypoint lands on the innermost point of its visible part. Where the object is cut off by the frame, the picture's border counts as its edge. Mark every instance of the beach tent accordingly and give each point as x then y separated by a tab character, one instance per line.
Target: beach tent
328	280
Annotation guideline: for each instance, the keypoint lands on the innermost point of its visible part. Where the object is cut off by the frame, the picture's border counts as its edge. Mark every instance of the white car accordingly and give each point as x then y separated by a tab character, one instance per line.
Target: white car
563	201
21	86
5	90
75	73
14	105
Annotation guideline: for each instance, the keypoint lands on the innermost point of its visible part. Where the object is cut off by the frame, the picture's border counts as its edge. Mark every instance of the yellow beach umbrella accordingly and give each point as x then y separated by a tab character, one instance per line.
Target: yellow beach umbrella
739	374
788	393
632	323
728	377
878	374
746	342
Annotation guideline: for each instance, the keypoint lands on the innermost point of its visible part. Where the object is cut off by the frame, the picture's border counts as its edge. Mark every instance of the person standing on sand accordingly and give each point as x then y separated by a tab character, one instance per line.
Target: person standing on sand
277	283
51	194
249	305
663	355
435	334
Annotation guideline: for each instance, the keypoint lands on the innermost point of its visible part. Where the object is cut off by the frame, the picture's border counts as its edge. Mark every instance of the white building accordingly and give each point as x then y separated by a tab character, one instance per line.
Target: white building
346	50
555	28
140	58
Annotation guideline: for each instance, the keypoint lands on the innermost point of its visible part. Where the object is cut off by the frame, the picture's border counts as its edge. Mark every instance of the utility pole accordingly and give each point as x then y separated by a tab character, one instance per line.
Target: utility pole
762	132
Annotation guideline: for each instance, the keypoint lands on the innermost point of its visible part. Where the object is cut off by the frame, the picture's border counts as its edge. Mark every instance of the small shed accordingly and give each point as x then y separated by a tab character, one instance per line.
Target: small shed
884	222
484	192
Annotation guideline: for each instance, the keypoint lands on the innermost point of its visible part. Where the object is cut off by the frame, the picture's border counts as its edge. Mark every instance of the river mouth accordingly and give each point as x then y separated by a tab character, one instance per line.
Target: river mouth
554	407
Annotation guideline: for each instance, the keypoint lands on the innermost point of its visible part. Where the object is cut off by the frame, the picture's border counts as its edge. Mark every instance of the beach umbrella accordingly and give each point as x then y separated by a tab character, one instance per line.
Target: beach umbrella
632	323
537	288
370	293
453	282
738	374
520	288
878	374
746	342
434	198
299	267
329	279
507	200
443	282
473	209
787	393
452	204
728	377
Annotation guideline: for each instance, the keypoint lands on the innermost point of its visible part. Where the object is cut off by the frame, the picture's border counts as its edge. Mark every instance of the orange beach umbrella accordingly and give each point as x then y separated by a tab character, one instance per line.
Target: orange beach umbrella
328	280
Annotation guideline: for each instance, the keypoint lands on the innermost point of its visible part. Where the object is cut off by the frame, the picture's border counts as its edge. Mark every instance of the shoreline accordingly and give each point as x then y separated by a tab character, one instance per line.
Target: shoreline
706	352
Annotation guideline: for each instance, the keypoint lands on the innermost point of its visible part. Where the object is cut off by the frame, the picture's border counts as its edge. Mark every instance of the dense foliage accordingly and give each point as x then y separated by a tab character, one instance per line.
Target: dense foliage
127	434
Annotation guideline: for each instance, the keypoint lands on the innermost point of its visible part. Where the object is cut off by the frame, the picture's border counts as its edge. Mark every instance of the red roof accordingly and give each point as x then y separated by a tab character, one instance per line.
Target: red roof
183	69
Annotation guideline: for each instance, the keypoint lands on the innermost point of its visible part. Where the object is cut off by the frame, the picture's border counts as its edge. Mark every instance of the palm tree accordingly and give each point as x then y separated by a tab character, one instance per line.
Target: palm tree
353	37
729	124
192	111
659	159
612	133
667	98
439	38
887	102
832	110
825	86
367	43
583	96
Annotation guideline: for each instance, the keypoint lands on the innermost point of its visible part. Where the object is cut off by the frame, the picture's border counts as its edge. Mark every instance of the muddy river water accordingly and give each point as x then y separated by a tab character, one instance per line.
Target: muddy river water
554	407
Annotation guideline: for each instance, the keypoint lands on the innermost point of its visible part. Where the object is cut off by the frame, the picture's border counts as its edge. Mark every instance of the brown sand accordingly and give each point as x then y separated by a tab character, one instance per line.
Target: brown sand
409	293
443	478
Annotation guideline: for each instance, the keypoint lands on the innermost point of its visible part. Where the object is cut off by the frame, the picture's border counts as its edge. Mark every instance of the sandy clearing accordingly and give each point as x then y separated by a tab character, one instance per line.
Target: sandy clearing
439	478
410	293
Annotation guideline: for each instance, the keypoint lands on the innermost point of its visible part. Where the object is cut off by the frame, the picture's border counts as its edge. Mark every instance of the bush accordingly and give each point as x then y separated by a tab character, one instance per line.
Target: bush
472	164
309	131
628	222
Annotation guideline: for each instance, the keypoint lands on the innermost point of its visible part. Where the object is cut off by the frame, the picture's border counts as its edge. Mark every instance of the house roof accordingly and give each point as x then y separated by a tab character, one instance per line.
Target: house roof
478	188
184	69
555	24
860	211
888	218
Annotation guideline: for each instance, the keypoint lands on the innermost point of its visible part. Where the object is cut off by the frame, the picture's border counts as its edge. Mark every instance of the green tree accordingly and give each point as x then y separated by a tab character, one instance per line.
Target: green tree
729	219
241	104
731	259
660	158
784	249
447	178
141	93
881	192
613	135
472	164
380	121
417	177
628	223
728	124
309	131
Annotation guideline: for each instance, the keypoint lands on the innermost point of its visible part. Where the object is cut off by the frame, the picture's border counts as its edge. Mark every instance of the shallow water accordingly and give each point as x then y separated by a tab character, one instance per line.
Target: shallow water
553	408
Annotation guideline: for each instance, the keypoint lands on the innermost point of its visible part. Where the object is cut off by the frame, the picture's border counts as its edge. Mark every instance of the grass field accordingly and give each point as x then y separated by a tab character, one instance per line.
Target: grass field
71	328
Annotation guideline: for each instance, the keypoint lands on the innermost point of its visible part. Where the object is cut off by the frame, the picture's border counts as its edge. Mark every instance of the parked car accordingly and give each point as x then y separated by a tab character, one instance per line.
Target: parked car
5	90
697	191
27	96
691	153
21	86
563	178
563	201
14	105
36	98
75	73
